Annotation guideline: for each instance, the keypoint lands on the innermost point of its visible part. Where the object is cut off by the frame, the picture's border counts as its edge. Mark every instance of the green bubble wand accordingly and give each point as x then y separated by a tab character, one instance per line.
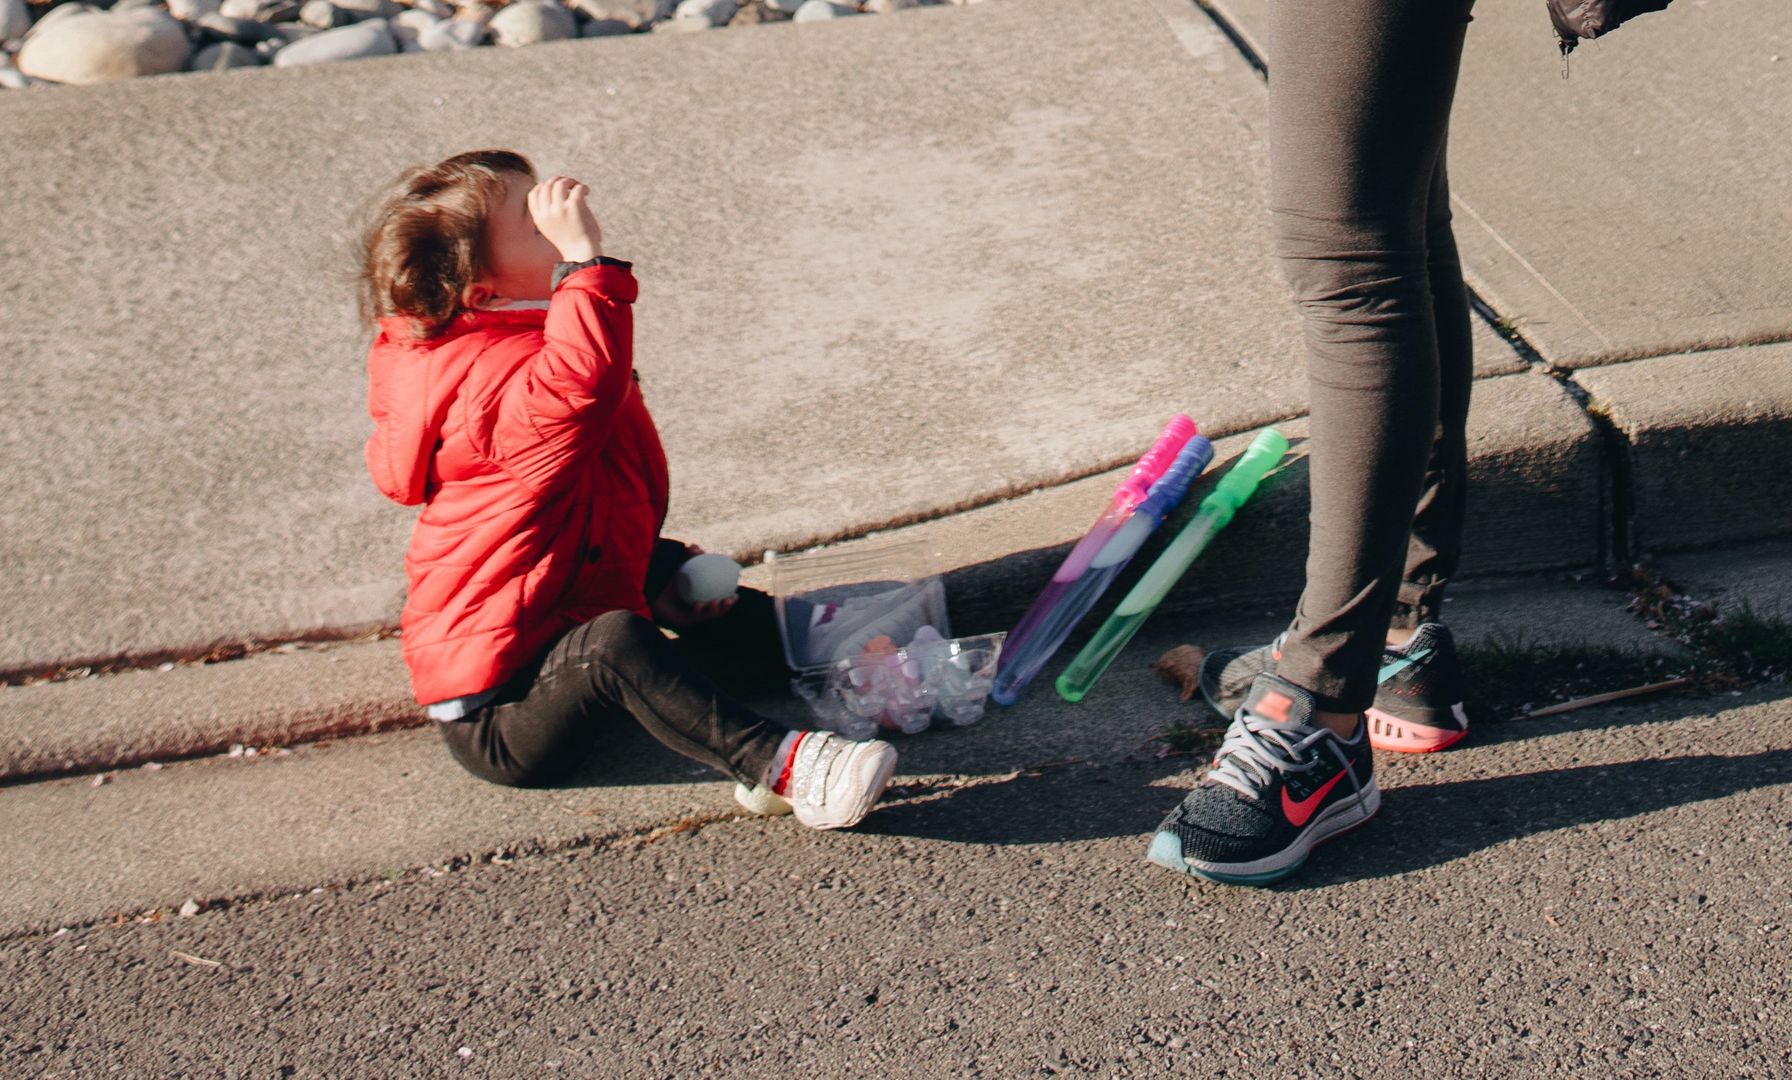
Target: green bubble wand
1215	513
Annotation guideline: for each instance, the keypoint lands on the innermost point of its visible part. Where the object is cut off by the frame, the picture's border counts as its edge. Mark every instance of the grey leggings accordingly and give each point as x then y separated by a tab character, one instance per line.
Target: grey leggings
1360	94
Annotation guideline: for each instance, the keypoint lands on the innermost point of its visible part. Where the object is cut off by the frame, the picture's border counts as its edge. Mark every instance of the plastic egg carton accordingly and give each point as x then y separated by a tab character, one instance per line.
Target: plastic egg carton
902	690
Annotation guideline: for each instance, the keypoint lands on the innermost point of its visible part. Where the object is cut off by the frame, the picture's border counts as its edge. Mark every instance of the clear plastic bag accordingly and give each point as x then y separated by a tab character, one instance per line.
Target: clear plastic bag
833	602
865	627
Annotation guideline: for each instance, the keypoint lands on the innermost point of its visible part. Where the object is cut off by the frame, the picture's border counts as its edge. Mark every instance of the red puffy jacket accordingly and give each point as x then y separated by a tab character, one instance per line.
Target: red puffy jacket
542	479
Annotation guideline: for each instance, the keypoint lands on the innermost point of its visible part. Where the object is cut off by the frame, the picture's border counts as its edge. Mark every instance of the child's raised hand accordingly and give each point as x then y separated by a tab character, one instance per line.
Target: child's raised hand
564	217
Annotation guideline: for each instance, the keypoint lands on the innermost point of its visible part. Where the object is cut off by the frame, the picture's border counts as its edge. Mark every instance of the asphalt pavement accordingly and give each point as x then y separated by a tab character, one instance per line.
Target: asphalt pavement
1601	893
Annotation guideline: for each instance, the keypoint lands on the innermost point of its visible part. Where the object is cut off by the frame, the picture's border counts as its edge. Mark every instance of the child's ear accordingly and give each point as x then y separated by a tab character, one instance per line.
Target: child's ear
479	295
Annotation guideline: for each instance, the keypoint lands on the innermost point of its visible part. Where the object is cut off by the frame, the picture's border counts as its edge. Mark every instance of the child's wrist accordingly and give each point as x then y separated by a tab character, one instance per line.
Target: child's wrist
585	251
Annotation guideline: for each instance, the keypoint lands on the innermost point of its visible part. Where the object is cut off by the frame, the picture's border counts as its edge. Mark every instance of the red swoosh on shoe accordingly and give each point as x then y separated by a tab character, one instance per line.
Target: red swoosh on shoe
1299	812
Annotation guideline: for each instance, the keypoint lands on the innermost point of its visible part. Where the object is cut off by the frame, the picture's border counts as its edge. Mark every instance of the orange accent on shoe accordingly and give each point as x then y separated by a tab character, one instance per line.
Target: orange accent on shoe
1273	706
1401	737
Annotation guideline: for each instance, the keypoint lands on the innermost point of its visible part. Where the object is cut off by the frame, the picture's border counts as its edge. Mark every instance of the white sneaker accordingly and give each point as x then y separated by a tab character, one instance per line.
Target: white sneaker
834	781
761	799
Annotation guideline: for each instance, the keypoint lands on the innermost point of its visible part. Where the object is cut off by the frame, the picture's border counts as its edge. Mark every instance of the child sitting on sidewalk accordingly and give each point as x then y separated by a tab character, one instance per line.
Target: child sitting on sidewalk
505	401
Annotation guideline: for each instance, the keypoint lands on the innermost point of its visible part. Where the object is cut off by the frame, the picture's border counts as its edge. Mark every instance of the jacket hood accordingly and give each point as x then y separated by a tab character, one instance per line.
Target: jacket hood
411	386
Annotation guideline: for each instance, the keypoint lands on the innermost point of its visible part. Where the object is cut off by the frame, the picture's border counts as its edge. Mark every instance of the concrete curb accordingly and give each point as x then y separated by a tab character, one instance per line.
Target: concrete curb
1535	460
1706	437
279	698
275	824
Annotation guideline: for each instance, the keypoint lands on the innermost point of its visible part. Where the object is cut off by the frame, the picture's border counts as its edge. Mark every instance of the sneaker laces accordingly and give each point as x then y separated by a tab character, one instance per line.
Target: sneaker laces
1256	750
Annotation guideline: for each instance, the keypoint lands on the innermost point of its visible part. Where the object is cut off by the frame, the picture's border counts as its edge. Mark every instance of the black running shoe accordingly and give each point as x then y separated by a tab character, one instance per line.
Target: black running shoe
1278	786
1418	701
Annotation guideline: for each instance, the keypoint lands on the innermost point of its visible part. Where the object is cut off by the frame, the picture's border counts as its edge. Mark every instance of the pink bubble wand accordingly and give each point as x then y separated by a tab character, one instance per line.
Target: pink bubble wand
1126	498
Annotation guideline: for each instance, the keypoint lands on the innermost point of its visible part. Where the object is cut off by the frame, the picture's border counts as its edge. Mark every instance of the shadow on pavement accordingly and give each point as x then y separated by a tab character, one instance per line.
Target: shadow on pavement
1666	708
1047	806
1419	826
1429	824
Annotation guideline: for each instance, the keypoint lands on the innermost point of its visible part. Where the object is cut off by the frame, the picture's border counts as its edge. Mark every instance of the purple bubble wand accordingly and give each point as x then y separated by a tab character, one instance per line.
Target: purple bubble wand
1127	497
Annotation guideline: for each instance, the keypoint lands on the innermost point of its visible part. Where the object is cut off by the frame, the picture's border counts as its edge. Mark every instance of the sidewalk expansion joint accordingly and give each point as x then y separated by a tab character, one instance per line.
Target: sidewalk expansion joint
1617	492
630	840
910	791
169	659
1238	40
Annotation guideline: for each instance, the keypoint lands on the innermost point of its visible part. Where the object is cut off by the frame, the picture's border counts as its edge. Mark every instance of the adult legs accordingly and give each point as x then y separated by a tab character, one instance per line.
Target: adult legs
1436	542
1360	96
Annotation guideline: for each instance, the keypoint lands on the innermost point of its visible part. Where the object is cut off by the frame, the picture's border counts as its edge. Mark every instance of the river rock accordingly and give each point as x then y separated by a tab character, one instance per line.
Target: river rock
280	11
634	14
15	19
58	13
451	35
408	26
239	9
884	7
784	7
702	14
354	42
323	15
189	10
284	34
221	27
93	47
606	28
757	12
441	9
475	12
222	56
531	22
817	10
360	10
287	33
11	78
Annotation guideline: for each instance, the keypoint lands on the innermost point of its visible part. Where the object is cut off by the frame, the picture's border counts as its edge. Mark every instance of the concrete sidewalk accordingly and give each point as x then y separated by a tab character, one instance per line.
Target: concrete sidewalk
271	824
893	268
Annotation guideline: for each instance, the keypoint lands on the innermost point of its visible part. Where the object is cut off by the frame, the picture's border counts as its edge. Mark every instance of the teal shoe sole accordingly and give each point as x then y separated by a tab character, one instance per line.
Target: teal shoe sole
1166	851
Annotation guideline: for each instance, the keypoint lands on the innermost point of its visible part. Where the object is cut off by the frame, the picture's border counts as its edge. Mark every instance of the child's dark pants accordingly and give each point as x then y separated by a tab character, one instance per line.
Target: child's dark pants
619	668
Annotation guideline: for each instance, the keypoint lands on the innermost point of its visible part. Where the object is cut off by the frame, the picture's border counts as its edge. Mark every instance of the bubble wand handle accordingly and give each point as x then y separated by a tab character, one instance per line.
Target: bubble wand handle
1216	511
1156	461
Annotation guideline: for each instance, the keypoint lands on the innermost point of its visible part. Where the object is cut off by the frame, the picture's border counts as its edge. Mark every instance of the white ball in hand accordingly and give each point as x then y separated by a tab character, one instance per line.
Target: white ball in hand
707	577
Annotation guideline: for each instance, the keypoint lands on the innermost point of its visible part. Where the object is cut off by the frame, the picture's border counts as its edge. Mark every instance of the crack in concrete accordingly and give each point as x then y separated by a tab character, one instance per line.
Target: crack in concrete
629	840
914	791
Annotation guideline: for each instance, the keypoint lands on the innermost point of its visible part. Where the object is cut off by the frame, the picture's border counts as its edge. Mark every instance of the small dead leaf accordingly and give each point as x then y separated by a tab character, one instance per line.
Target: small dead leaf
1181	667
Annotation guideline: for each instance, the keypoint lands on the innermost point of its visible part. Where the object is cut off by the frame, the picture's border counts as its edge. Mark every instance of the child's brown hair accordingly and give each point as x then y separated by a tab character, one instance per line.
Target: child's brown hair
425	245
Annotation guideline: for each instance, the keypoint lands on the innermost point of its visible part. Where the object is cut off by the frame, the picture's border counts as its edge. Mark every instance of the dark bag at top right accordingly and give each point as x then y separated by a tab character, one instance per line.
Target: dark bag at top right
1576	19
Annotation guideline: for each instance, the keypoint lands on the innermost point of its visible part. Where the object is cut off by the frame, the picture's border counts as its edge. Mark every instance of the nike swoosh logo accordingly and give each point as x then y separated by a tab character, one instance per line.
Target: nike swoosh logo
1299	812
1395	668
